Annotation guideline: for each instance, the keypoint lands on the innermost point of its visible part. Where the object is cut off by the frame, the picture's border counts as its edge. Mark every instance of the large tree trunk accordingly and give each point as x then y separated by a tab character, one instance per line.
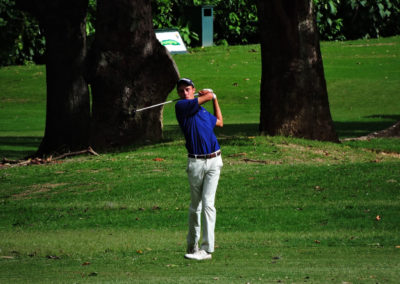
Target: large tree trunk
294	100
68	104
131	70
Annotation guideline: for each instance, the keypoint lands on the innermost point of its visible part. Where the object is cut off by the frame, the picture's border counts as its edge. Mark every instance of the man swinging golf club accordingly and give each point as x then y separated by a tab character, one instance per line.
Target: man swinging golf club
204	164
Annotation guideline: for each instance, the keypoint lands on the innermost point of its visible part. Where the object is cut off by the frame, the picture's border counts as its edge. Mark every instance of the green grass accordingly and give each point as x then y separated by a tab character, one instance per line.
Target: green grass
263	258
289	210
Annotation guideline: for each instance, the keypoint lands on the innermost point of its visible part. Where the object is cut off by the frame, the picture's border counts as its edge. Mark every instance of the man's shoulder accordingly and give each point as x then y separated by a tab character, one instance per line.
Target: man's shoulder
184	104
180	105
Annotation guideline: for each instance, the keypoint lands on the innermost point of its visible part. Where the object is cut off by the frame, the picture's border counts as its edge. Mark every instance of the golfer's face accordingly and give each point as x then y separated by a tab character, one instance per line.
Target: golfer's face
186	92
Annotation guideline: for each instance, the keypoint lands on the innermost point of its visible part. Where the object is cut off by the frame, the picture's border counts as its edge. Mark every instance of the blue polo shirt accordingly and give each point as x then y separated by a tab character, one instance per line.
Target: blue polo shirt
197	124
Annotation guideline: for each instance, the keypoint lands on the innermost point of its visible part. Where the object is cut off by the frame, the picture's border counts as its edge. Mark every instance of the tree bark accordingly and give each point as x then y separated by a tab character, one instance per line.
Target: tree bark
294	99
131	70
68	103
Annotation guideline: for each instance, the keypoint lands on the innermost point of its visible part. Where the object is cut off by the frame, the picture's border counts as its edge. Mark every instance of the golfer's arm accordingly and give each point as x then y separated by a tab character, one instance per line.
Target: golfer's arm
217	110
218	113
204	98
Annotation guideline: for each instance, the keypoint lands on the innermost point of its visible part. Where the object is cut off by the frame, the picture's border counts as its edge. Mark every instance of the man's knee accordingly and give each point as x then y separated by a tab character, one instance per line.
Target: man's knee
209	208
195	208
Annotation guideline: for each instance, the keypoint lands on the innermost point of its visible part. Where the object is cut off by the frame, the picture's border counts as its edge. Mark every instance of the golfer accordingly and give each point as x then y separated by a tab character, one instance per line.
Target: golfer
204	164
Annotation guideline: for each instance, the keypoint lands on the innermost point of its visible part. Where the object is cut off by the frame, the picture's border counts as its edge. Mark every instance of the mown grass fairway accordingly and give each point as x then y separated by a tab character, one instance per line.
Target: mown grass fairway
289	210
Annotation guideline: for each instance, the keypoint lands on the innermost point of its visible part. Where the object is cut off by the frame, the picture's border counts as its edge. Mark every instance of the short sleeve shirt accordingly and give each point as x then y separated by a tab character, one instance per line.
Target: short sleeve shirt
197	125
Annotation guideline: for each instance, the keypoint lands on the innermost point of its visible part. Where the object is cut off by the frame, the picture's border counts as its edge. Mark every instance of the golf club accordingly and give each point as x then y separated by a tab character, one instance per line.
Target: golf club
164	103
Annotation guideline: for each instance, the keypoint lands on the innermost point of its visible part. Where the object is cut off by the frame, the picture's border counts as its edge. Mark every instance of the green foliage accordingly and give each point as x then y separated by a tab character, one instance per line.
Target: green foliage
91	18
91	22
236	21
352	19
188	35
162	14
166	14
371	18
329	25
21	39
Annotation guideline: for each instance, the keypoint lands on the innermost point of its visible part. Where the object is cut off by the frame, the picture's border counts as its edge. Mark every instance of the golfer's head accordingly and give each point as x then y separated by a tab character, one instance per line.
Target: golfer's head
186	89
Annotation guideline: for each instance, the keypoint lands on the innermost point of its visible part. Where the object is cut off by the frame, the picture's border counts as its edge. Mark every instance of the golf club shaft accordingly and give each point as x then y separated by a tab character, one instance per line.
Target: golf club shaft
160	104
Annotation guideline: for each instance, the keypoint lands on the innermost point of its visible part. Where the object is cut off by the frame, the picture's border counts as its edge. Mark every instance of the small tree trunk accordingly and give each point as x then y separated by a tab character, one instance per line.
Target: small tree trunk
294	100
131	70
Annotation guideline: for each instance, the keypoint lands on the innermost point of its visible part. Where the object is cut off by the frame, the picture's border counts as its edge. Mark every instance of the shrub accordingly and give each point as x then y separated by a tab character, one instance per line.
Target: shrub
370	18
235	22
21	39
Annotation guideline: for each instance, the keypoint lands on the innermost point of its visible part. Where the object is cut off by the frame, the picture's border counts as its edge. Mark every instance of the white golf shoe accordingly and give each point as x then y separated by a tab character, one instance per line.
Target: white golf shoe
198	255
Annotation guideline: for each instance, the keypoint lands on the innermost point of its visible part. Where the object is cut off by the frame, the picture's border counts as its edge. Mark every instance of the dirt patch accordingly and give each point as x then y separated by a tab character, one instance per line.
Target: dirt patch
13	100
384	153
370	44
265	162
292	154
38	188
94	170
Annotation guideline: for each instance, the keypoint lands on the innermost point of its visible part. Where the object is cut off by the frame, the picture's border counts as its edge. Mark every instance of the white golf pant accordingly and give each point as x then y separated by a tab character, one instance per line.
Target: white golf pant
203	177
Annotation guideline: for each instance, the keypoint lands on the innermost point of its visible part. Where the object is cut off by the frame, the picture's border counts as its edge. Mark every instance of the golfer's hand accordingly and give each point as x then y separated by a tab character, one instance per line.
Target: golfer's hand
205	92
205	95
208	91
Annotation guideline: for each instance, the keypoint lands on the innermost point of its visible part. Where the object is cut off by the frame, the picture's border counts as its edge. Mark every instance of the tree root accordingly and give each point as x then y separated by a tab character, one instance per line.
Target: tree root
390	132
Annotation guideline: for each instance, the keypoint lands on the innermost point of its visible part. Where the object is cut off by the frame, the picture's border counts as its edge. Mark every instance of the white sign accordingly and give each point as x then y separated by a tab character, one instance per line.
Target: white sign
172	40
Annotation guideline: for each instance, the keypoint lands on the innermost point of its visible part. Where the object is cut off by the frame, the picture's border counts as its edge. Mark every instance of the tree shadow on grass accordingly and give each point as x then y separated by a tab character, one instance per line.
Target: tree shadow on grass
20	147
351	129
344	129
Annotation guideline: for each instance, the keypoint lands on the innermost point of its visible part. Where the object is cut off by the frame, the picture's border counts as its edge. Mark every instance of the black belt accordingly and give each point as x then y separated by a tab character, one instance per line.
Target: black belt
206	156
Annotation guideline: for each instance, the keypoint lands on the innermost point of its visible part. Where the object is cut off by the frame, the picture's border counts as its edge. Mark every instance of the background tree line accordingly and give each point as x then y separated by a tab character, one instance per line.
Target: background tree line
235	23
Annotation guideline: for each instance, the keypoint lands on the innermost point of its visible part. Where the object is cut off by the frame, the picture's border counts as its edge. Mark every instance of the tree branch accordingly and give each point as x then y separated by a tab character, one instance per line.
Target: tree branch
40	161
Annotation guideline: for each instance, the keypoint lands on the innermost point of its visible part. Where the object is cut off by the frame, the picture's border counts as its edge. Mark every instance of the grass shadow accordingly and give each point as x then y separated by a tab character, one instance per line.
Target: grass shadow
18	147
356	128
